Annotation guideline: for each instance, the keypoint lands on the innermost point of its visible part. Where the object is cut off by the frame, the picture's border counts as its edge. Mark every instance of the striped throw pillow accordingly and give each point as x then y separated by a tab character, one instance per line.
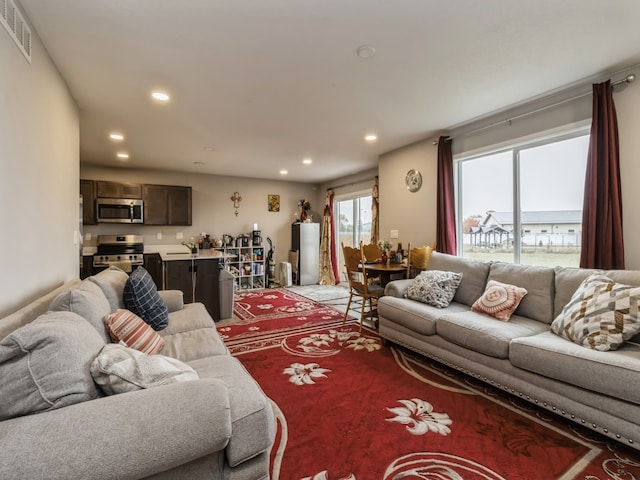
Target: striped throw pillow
128	329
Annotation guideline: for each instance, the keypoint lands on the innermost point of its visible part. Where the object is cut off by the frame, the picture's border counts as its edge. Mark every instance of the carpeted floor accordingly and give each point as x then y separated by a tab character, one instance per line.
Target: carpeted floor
349	409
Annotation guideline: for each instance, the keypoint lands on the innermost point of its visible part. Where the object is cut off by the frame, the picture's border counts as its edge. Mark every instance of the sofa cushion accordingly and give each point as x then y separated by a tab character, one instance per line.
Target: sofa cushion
45	365
118	369
141	297
418	317
612	373
434	287
499	300
539	283
131	331
601	314
192	334
251	412
111	281
474	275
88	301
485	334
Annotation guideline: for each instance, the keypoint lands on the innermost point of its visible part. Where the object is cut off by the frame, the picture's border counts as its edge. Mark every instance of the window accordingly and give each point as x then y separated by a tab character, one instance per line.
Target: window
505	196
353	216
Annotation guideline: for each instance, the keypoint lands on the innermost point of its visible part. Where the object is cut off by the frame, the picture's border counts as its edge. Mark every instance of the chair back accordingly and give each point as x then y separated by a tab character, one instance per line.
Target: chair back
353	263
371	252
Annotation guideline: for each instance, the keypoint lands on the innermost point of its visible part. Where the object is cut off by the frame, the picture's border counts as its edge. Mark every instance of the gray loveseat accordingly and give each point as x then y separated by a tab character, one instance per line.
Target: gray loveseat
220	426
523	356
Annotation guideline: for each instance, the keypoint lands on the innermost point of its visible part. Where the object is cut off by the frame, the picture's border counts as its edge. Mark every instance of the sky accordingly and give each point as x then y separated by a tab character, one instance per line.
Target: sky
551	178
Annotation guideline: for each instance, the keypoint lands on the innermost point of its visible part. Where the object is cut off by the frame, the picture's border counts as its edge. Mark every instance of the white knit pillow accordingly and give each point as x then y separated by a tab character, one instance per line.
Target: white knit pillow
119	369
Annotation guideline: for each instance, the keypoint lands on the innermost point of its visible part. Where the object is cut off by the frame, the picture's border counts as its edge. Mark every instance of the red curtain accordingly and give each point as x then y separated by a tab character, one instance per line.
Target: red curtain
602	240
446	215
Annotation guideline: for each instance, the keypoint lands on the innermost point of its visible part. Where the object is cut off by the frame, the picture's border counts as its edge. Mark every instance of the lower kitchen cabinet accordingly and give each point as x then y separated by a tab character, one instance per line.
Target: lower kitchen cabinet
153	265
197	279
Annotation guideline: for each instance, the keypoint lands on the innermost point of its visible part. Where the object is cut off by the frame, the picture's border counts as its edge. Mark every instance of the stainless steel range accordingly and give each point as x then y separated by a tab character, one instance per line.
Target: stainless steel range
115	249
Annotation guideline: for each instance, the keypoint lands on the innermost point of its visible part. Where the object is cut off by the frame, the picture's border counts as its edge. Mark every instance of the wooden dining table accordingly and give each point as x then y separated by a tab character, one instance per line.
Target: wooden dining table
385	270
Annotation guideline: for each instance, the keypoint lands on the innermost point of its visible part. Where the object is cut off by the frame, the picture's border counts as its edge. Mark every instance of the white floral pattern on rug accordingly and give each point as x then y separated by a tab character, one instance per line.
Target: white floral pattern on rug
301	374
324	475
297	307
331	343
420	418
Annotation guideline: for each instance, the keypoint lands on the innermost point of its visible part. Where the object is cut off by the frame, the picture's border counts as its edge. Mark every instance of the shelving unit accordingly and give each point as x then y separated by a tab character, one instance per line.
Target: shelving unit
247	266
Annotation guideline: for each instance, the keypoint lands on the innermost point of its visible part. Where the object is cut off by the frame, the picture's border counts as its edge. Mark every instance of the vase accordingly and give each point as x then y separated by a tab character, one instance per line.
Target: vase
384	257
303	215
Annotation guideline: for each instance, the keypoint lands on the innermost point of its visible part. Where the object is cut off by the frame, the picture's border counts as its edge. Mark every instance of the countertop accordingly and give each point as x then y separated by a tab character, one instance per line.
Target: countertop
173	252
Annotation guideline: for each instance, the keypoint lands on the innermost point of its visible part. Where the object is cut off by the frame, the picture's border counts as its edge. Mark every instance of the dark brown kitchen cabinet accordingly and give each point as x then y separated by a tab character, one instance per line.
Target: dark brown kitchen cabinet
196	279
118	190
153	265
88	192
166	205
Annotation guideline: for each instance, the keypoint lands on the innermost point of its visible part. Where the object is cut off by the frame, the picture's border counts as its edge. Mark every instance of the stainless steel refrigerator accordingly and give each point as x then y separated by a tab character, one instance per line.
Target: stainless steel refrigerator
305	238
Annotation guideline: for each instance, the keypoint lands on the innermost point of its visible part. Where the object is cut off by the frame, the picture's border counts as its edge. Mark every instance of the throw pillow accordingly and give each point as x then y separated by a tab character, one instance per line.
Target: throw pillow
601	314
141	297
420	257
131	331
499	300
88	301
434	287
119	369
111	281
45	364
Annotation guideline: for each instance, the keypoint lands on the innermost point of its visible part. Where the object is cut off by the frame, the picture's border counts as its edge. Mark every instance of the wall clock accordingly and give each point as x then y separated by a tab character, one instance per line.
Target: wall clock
413	180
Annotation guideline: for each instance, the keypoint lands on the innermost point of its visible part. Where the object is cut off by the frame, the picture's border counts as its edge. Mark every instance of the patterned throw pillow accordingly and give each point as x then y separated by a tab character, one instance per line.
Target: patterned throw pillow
141	297
131	331
499	300
119	369
601	314
434	287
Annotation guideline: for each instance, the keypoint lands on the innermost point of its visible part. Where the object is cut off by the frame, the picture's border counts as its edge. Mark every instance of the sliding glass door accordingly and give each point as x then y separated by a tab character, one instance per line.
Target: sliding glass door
352	214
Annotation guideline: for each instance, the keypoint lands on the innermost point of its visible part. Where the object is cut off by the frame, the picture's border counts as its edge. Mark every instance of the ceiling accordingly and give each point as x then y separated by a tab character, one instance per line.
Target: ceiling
256	86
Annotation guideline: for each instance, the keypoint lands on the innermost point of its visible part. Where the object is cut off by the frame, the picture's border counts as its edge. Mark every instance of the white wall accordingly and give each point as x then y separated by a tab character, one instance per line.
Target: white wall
212	208
39	165
413	214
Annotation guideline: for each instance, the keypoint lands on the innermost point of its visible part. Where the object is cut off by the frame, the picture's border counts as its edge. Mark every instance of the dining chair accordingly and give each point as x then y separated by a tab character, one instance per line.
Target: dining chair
363	296
371	252
417	259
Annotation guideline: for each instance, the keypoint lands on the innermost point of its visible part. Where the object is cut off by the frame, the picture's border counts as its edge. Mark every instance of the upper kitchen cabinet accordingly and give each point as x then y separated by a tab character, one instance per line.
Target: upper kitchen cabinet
166	205
88	192
118	190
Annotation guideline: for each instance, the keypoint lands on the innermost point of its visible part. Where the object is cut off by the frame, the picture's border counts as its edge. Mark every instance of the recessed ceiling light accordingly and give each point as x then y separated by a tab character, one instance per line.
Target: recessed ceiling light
208	148
307	161
370	137
117	137
366	51
160	96
284	172
123	155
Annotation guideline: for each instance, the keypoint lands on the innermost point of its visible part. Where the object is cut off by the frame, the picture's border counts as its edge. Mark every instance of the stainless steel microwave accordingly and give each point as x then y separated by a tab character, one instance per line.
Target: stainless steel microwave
119	210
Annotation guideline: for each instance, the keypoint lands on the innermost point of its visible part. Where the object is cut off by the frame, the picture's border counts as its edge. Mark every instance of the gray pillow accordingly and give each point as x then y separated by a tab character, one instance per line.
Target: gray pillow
434	287
88	301
111	281
46	364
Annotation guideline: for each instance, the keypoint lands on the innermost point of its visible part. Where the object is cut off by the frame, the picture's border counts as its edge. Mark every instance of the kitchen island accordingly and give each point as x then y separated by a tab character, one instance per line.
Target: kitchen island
201	277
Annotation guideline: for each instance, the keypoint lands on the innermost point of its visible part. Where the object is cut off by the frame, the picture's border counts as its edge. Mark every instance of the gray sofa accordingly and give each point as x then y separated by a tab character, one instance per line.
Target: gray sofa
523	356
220	426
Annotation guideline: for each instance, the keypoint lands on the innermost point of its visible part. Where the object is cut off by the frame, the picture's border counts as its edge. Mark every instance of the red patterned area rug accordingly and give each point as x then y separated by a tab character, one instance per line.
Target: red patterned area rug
274	311
350	409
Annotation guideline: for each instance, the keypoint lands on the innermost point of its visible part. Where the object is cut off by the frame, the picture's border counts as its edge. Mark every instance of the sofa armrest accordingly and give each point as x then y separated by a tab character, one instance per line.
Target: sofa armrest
397	288
174	299
132	435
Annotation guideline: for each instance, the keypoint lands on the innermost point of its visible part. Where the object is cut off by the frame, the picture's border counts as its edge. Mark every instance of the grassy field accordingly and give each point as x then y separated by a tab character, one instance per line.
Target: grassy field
542	256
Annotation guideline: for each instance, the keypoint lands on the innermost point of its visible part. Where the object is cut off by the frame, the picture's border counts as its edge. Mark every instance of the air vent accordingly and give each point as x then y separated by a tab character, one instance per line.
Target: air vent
14	22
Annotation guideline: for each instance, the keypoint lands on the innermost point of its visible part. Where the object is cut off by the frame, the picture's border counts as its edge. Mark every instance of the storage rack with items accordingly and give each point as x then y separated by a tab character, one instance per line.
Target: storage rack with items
246	265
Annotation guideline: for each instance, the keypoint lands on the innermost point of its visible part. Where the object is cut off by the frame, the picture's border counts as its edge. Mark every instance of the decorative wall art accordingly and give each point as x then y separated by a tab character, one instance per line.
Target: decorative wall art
273	202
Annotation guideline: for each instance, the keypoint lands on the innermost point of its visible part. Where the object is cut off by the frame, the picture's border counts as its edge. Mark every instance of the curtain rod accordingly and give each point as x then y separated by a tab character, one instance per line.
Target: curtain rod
352	183
628	79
